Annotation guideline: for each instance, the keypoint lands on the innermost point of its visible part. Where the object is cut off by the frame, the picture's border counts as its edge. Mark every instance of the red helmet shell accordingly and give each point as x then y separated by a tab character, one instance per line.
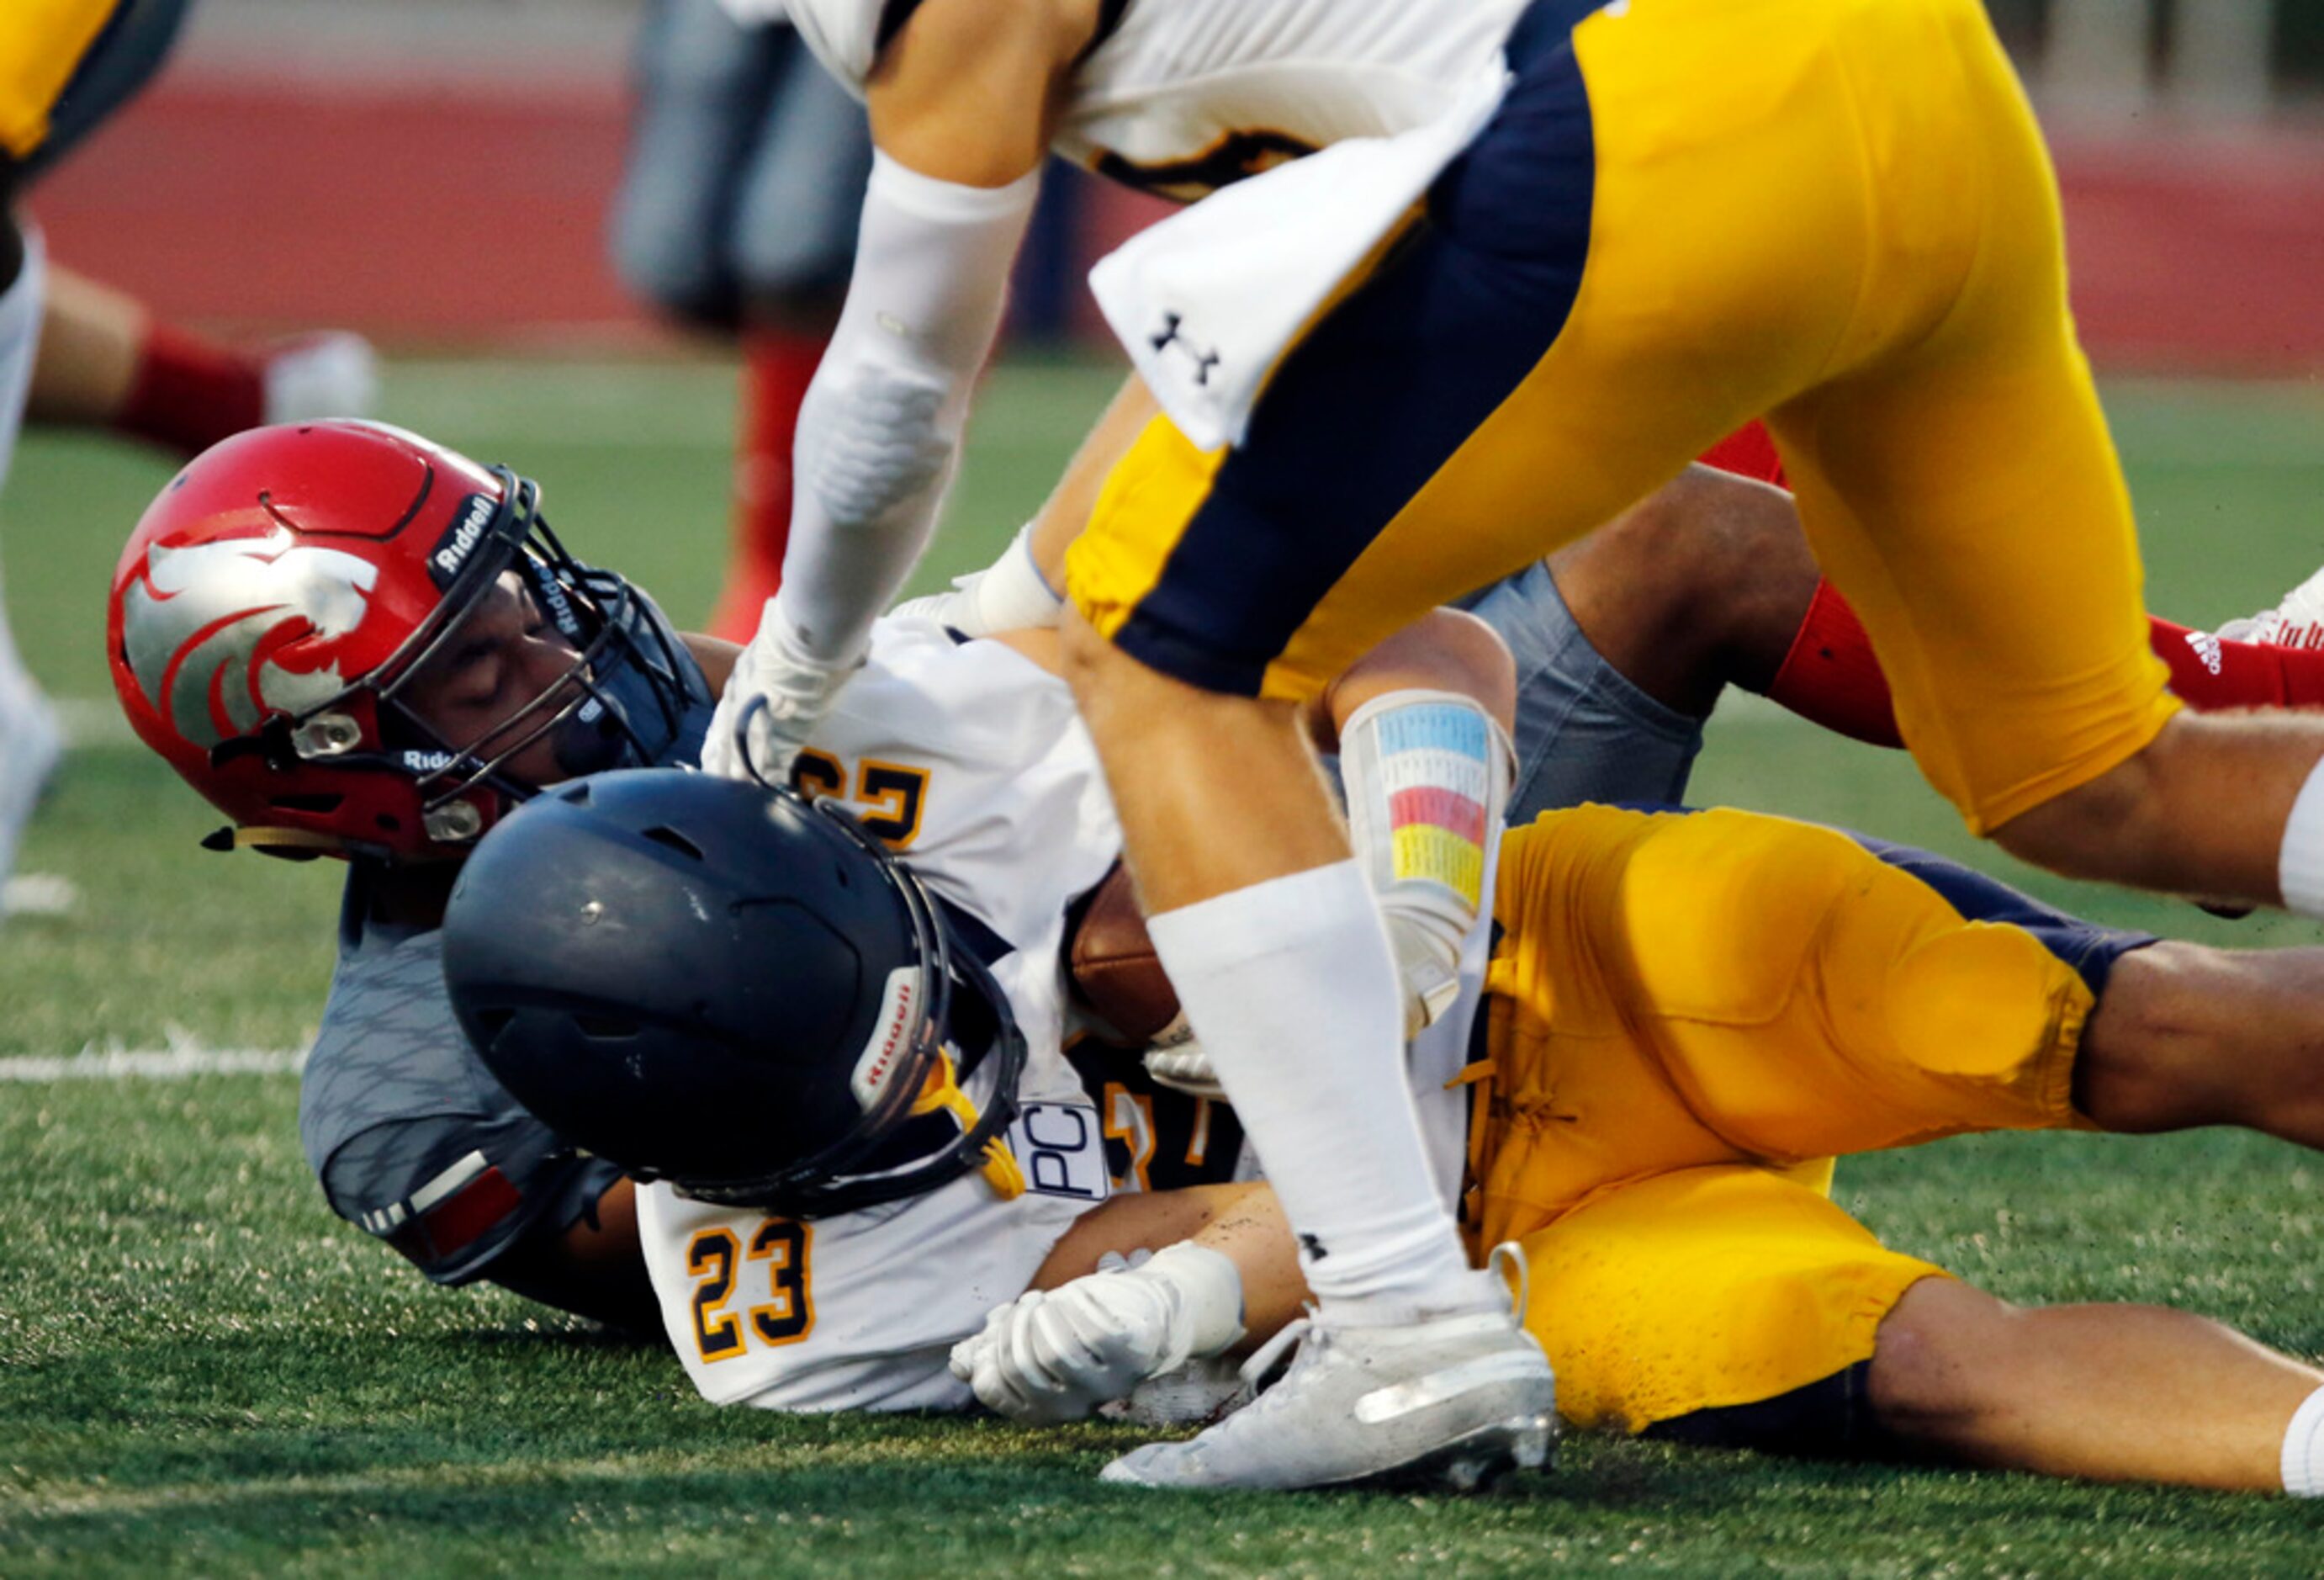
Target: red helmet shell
278	569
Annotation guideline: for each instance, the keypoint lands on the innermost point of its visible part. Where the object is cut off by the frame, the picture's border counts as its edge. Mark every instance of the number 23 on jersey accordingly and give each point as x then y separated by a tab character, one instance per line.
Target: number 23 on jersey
775	1262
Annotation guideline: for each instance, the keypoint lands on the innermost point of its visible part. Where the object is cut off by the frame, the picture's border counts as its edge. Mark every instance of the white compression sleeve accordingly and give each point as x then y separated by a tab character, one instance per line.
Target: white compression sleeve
883	417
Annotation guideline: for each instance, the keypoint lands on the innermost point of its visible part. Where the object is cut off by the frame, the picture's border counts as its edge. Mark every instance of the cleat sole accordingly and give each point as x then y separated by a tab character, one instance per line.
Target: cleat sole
1472	1462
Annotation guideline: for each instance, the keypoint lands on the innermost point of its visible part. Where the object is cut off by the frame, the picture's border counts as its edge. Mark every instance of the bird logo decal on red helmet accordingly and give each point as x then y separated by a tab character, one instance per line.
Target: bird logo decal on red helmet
208	628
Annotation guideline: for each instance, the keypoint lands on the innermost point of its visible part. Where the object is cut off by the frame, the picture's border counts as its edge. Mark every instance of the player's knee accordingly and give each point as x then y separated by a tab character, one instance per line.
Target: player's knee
2130	1072
1712	533
2186	1036
1701	584
1941	1362
1445	649
2111	828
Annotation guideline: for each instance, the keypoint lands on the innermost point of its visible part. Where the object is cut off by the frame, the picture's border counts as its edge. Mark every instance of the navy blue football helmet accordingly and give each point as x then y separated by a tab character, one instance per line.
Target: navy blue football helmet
733	989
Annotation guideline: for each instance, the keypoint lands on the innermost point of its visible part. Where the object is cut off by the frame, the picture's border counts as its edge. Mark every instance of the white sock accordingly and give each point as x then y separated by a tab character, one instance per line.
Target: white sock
2300	864
2303	1448
1290	987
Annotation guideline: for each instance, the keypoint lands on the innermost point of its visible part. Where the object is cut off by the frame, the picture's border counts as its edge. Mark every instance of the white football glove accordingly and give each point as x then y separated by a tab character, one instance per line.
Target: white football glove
1057	1354
1009	595
1176	1060
746	738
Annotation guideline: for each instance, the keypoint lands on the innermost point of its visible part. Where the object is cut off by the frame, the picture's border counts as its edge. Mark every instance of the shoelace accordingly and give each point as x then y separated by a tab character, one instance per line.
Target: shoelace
1262	1360
1253	1396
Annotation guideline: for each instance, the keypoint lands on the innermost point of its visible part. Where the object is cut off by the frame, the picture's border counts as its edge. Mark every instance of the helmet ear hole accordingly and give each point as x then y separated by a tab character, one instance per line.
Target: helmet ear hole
602	1028
675	841
490	1025
316	805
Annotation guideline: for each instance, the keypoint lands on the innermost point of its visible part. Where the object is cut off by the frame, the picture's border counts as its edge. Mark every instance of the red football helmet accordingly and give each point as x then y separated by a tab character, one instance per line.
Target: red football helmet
284	588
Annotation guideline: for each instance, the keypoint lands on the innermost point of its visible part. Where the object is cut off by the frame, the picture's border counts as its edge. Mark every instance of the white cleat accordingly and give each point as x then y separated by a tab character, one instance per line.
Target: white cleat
30	741
330	373
2296	621
1431	1402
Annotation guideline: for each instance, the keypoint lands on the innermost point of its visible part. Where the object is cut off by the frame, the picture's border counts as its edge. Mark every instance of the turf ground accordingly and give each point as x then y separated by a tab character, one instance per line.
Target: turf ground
201	1370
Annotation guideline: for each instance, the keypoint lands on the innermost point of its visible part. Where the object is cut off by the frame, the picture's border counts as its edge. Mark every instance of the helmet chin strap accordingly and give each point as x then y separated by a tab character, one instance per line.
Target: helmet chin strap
941	1091
298	843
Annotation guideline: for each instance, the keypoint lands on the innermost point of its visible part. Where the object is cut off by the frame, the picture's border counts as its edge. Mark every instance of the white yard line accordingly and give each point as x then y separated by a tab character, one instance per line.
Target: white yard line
184	1057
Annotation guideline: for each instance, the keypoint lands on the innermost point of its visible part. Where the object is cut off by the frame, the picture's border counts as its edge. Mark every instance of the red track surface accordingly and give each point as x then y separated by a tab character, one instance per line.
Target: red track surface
457	217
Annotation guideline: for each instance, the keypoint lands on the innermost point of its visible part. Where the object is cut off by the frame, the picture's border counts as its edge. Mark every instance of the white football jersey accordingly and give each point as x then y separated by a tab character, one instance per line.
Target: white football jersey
971	761
1184	97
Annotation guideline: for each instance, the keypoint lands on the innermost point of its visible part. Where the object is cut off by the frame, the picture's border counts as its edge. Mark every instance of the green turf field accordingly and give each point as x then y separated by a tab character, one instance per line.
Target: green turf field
201	1370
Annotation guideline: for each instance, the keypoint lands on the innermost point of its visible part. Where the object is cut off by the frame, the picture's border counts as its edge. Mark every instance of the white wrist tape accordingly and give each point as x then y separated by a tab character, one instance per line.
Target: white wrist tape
1428	777
1009	595
1209	1289
882	419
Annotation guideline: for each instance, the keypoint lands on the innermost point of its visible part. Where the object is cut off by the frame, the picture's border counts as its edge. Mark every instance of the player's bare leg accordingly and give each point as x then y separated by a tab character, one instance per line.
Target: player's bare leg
2183	1037
2206	810
2107	1393
1709	583
105	361
1265	925
1701	585
2186	1036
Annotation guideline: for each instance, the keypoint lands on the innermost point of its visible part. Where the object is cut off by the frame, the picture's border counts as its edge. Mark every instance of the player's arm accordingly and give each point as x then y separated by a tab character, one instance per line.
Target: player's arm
714	656
464	1201
1242	1222
592	1268
1136	1289
962	102
1024	589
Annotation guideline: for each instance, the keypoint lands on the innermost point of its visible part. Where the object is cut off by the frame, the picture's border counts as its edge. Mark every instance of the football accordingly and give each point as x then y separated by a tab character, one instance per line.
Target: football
1115	974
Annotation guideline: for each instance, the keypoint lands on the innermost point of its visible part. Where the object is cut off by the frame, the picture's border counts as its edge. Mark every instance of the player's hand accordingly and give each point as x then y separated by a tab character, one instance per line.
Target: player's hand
1176	1060
773	701
1055	1355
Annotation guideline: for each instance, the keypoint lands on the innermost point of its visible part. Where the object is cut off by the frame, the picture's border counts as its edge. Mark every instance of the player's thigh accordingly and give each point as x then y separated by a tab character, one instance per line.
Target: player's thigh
1584	732
1963	490
1801	993
802	187
702	89
1599	288
1683	1300
1576	1099
1976	517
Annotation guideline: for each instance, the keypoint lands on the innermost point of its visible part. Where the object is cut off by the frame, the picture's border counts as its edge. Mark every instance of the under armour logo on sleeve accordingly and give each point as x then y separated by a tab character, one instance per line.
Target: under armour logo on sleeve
1204	360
